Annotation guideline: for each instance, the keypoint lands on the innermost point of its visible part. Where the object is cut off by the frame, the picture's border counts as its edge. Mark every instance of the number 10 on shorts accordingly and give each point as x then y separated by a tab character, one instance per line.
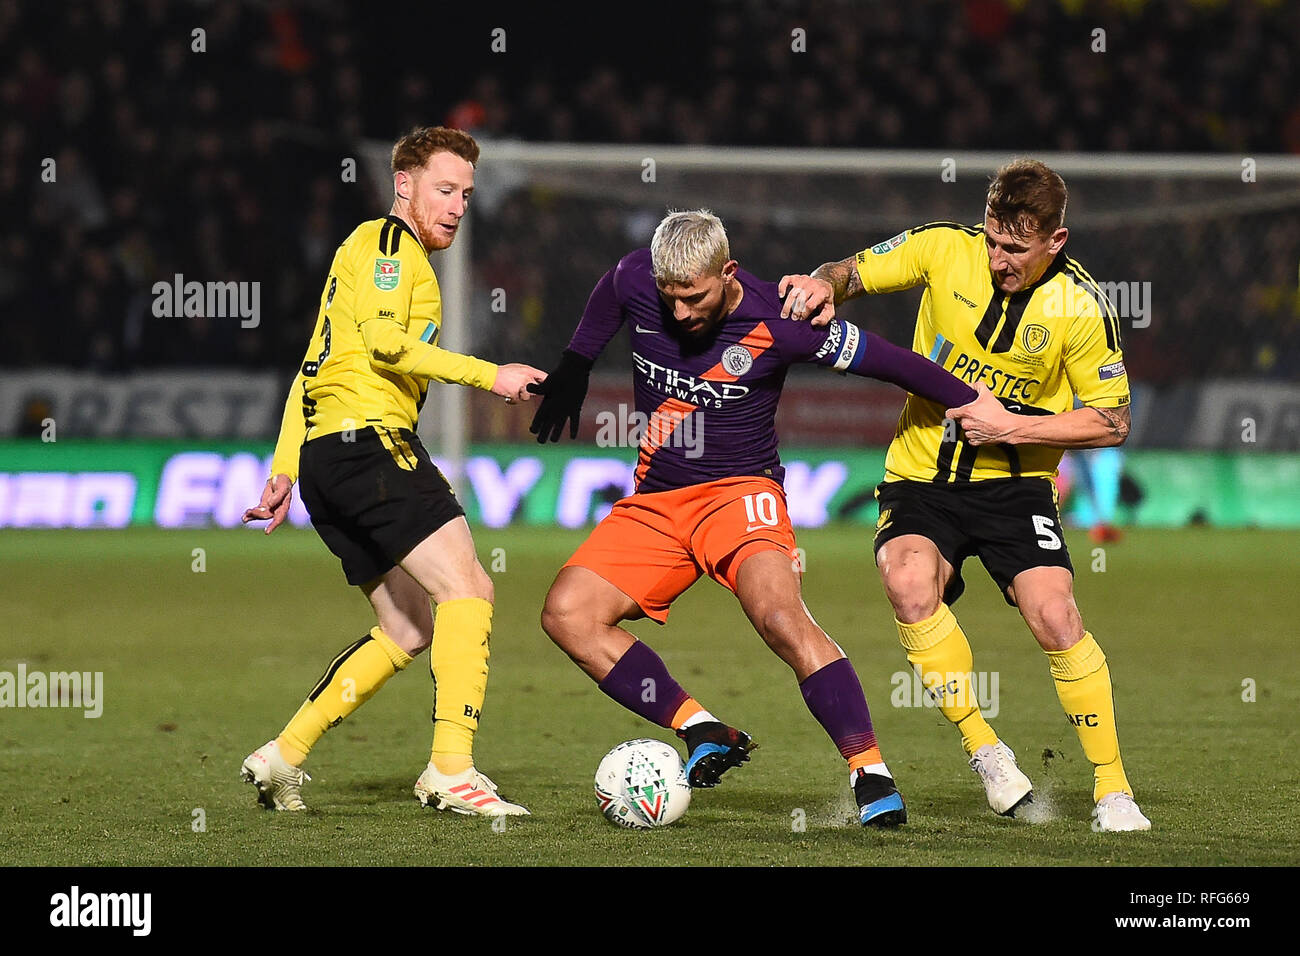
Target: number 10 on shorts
760	509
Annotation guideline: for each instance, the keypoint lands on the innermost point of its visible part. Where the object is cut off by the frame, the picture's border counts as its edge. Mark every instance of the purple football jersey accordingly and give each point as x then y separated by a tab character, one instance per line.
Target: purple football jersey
707	405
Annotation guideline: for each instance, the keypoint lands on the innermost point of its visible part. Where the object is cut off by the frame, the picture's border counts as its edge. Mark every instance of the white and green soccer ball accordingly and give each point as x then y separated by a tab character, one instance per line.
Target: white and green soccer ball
642	784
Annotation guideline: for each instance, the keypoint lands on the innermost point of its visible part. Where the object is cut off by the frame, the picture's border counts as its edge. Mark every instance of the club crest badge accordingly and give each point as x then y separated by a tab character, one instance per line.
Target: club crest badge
1035	338
737	360
884	520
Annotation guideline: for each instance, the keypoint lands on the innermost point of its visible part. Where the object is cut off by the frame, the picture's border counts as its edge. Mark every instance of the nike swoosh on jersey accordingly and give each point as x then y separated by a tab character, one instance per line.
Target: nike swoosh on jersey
641	328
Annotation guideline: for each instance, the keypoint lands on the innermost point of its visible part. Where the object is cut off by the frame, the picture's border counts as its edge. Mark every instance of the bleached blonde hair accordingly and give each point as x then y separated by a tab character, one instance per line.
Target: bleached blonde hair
687	245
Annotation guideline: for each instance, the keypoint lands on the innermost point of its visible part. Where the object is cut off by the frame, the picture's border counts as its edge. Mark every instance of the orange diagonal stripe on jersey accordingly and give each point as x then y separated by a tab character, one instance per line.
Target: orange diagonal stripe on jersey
758	341
663	422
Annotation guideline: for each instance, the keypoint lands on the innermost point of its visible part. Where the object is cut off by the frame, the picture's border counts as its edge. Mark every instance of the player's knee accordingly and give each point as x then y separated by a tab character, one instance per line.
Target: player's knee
914	596
1055	621
561	613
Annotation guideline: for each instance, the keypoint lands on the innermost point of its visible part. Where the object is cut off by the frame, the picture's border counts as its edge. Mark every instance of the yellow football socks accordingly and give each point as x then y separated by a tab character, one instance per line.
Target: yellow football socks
941	655
459	661
352	678
1082	680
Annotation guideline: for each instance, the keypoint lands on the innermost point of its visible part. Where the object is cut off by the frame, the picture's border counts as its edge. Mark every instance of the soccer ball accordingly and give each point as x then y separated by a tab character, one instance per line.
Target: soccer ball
642	784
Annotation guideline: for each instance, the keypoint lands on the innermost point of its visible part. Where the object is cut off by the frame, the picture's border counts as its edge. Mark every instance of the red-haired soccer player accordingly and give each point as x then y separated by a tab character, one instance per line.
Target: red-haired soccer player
375	497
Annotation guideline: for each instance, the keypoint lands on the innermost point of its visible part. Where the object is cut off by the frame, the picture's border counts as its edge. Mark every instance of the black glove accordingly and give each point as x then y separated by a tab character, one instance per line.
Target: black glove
562	394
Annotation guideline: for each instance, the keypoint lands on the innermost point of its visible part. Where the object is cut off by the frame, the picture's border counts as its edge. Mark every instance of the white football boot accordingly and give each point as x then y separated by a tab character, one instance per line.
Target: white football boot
1004	784
278	782
1118	813
466	792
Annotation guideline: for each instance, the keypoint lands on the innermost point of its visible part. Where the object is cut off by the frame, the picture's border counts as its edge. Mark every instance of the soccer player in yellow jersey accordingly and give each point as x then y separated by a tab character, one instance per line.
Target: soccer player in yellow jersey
1005	310
375	497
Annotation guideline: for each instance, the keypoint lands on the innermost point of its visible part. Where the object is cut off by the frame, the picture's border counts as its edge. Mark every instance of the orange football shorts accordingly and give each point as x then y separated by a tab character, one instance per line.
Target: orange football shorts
652	547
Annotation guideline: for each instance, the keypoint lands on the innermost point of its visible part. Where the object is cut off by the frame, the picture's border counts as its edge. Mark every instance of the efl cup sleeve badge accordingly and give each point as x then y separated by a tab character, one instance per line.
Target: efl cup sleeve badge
1035	338
889	246
737	360
852	336
388	272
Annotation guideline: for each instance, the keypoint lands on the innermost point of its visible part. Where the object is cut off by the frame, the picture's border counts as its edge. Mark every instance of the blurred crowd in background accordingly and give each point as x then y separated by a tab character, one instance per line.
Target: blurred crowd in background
225	165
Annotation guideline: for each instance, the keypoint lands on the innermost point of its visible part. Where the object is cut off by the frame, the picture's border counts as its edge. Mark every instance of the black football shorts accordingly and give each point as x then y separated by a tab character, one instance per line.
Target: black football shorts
1011	524
373	499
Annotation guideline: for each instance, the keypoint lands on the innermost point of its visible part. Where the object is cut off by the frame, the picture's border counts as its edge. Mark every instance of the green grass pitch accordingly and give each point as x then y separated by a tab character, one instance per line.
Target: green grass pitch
202	667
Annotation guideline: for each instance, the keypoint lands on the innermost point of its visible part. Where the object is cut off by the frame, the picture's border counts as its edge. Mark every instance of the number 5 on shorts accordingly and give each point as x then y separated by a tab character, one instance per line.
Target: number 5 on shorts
1048	539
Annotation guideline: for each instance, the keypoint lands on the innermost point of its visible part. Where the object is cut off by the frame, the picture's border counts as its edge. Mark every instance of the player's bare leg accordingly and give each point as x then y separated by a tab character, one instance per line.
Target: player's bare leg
1045	597
915	575
402	607
581	615
446	567
768	587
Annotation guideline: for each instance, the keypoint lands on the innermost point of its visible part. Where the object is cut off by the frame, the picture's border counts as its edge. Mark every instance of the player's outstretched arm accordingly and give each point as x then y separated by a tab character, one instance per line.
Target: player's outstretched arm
274	504
848	349
985	421
396	349
814	297
515	382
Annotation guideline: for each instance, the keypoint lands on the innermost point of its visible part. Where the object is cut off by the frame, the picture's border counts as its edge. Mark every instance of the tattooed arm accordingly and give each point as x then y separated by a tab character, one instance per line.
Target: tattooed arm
843	278
1117	422
815	297
1091	426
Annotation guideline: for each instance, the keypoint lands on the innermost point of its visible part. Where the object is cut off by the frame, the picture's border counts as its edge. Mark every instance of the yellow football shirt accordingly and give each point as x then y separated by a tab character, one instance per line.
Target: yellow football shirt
374	348
1035	349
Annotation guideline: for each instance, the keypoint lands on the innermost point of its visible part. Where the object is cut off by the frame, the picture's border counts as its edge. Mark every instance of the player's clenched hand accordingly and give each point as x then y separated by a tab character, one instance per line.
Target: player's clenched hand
513	381
562	393
274	504
806	298
984	421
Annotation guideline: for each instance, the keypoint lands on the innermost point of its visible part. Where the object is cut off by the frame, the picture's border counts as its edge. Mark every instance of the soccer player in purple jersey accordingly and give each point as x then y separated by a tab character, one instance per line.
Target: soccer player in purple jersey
710	354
